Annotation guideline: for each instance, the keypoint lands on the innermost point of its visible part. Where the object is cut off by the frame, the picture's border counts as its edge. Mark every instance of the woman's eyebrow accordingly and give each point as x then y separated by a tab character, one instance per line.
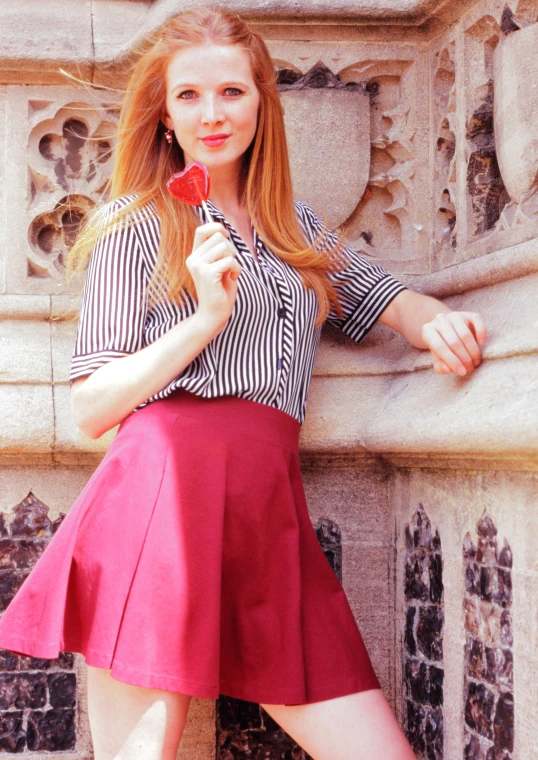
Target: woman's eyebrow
223	84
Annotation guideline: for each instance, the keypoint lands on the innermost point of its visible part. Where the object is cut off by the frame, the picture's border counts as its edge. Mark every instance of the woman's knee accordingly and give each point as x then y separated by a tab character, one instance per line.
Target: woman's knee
129	722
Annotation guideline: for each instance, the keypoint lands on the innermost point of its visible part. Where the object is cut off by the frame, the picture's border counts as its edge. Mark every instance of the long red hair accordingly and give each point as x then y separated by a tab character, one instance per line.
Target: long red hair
144	161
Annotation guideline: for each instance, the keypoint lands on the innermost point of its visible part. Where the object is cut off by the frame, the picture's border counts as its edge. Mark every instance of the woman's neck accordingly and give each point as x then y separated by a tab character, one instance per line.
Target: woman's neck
225	191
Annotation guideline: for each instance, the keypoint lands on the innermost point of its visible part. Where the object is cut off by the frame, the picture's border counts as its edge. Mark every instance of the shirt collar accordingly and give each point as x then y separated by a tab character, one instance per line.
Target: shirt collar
214	210
220	216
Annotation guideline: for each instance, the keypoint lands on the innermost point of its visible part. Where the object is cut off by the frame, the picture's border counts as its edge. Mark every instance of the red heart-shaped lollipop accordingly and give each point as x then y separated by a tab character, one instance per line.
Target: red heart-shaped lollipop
191	185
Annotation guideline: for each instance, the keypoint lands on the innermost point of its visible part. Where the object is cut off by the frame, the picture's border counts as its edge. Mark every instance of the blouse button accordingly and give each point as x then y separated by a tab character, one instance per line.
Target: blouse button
282	311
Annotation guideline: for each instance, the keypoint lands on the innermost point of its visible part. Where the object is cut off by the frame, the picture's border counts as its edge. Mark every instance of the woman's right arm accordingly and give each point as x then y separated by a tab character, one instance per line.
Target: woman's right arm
103	399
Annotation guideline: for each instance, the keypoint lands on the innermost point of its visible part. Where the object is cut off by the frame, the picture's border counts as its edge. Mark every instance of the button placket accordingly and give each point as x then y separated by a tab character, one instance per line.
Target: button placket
279	289
286	333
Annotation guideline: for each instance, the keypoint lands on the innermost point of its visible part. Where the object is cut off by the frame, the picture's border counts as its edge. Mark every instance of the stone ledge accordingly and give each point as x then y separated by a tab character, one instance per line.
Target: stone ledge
385	352
35	308
33	32
480	272
79	755
399	404
491	416
311	460
490	420
39	308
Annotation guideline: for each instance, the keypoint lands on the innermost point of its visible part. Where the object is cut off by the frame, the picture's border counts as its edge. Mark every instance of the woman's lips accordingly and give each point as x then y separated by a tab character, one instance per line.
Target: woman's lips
213	143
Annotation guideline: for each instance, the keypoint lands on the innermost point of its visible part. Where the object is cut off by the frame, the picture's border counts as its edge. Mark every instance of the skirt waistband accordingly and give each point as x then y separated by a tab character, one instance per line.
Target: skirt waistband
226	414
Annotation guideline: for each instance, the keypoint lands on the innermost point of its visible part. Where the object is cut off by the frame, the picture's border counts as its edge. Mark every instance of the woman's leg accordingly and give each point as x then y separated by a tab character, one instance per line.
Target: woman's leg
361	726
133	722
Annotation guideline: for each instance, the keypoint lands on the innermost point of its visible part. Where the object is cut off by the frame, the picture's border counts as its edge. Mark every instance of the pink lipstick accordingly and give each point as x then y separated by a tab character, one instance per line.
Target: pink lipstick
214	141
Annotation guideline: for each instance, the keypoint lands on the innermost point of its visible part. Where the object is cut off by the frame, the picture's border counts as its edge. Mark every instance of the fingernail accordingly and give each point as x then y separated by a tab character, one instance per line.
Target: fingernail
461	370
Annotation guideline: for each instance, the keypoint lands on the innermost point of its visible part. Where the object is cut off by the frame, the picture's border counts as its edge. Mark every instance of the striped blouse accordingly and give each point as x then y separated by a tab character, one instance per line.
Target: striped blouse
266	350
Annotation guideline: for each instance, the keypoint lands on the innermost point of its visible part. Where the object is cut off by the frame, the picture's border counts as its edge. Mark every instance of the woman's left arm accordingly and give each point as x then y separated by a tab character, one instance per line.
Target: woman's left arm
453	337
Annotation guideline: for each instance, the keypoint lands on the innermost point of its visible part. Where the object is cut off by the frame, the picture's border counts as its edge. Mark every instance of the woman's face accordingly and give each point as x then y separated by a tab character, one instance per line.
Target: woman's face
210	90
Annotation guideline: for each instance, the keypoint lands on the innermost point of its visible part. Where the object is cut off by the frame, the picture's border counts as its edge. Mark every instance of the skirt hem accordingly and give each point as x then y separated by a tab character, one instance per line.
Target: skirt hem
199	689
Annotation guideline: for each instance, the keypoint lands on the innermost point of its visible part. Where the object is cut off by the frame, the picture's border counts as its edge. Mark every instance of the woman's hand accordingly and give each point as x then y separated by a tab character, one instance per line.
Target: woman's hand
454	339
214	269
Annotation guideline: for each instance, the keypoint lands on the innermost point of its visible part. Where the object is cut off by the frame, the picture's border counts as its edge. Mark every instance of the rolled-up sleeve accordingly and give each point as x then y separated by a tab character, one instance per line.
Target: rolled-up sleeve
113	305
365	289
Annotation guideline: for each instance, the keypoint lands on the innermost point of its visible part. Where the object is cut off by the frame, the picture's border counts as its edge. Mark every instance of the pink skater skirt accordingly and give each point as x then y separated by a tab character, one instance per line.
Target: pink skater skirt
189	563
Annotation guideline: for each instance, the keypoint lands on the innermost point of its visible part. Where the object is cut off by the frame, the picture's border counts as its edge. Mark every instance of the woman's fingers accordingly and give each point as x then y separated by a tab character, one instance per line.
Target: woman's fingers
205	251
216	252
439	347
453	343
440	367
464	323
228	262
460	339
477	324
205	232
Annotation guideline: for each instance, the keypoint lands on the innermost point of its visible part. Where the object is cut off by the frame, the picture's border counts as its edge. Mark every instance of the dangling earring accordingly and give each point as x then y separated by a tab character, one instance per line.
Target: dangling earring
168	135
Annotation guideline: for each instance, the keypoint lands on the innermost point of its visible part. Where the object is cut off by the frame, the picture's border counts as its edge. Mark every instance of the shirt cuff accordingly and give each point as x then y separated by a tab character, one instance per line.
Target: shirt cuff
85	364
361	321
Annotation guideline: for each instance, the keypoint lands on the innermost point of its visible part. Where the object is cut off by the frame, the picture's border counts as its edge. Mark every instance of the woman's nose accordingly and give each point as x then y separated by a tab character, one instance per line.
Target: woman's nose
211	110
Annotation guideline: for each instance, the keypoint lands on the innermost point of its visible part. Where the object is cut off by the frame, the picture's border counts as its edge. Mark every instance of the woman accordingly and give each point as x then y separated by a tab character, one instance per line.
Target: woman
188	565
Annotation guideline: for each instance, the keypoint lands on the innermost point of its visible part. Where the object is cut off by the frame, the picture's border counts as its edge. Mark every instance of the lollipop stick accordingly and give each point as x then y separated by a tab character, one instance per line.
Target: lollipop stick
204	204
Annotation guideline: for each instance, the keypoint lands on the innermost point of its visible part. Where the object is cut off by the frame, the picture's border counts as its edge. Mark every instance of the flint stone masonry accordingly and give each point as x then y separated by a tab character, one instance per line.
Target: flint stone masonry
484	181
488	662
38	698
246	730
423	638
489	705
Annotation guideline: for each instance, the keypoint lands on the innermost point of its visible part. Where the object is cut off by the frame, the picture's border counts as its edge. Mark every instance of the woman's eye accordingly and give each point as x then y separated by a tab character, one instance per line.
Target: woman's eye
236	89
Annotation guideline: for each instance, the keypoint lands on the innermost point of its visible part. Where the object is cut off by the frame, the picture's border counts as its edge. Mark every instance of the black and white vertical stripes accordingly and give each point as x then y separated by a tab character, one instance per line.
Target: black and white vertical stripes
267	349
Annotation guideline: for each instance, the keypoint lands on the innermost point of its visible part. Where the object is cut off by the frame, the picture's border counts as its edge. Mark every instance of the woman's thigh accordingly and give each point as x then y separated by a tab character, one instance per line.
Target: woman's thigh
133	722
361	726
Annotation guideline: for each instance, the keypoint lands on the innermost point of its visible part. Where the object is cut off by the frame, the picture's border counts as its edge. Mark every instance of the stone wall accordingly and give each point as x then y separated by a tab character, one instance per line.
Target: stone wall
422	488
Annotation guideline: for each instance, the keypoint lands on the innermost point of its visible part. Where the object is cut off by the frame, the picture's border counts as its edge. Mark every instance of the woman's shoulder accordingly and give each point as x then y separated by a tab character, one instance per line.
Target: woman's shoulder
309	220
307	214
137	214
140	224
303	208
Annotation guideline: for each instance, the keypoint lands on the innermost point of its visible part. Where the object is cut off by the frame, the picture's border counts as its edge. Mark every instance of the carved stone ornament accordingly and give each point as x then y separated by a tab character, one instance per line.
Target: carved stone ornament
328	134
352	153
69	164
515	68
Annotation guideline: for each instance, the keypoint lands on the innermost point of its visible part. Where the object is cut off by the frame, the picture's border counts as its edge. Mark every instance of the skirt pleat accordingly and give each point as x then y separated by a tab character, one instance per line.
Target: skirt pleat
189	563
